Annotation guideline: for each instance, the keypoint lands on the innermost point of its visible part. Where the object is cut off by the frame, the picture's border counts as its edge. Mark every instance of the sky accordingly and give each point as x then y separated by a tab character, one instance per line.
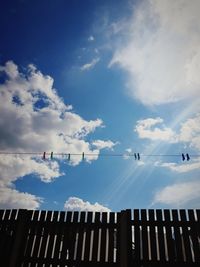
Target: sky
102	78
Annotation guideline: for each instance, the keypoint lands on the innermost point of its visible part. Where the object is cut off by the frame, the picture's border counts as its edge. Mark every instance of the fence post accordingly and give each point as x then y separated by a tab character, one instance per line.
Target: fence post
19	236
125	239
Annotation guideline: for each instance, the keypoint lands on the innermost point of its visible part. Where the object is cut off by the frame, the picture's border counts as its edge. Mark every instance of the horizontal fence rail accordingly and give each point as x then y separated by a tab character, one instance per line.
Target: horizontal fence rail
127	238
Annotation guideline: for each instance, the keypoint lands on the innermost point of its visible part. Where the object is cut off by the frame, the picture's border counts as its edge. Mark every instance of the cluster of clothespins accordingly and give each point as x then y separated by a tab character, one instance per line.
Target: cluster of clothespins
185	157
68	155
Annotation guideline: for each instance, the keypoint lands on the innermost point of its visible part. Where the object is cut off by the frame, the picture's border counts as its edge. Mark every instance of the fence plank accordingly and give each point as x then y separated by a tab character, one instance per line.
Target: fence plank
161	239
96	237
137	239
169	236
194	235
88	237
66	239
145	247
103	237
81	230
177	237
111	233
152	233
185	237
44	243
60	233
32	222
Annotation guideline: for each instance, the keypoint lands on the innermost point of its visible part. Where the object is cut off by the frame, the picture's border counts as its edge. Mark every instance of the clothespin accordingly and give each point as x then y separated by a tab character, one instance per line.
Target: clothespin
138	156
51	155
44	155
68	157
83	156
135	155
188	157
183	157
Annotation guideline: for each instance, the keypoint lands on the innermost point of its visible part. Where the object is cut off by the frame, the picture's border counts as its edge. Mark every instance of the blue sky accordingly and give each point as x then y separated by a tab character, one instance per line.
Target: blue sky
100	77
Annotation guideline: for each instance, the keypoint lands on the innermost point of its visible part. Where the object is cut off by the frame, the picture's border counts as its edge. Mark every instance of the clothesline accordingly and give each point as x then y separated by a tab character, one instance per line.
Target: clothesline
137	156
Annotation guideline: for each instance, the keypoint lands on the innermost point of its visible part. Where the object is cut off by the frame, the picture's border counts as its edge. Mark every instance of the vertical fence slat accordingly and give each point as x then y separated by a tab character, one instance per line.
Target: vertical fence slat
32	219
161	242
185	237
73	237
39	234
66	239
152	235
111	233
169	236
194	235
96	237
44	244
103	237
81	230
177	237
51	230
145	246
137	240
88	237
60	232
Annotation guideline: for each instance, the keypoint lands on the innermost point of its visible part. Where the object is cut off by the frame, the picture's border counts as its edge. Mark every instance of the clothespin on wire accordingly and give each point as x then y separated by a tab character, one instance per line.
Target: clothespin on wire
83	156
135	155
187	157
183	157
51	155
69	157
138	156
44	155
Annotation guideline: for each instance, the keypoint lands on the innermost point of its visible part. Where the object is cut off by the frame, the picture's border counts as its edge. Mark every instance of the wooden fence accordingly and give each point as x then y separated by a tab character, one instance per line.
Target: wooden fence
72	239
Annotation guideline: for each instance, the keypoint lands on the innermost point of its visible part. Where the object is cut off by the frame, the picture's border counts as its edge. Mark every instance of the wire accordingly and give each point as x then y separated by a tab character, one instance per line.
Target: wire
96	154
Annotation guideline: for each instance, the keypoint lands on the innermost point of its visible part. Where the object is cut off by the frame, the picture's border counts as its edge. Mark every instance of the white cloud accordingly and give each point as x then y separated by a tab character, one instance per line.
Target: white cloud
100	144
180	168
13	199
161	51
91	38
35	119
147	129
90	65
188	133
179	194
77	204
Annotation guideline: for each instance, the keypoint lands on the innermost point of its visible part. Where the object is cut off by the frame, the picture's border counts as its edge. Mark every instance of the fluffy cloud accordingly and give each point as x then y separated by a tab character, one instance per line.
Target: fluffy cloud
161	53
179	194
147	129
77	204
90	65
180	168
35	119
188	133
100	144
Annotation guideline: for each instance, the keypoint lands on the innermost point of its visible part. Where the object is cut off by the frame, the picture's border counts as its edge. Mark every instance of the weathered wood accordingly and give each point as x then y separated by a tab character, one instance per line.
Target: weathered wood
169	237
52	239
88	237
111	233
145	245
152	230
161	242
194	235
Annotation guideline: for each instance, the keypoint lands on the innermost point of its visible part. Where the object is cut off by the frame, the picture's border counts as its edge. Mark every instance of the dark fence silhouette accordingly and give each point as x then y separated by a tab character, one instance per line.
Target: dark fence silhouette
71	239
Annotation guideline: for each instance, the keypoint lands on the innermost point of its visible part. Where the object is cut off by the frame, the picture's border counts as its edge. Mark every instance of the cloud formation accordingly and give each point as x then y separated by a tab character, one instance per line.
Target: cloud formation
147	129
177	195
161	53
35	119
154	129
77	204
90	65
